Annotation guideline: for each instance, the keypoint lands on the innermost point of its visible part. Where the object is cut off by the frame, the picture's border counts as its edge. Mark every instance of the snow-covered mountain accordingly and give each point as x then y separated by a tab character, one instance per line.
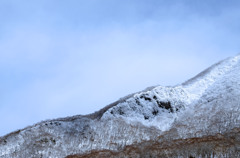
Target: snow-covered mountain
205	105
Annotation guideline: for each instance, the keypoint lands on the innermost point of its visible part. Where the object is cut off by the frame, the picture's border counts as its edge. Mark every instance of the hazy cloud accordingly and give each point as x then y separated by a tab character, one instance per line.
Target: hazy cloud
61	58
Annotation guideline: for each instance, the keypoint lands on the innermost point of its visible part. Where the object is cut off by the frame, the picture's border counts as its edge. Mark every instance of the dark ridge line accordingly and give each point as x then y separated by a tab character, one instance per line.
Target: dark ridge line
96	115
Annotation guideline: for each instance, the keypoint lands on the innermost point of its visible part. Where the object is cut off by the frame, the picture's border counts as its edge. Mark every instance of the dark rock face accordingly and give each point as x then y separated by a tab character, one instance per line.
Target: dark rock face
165	105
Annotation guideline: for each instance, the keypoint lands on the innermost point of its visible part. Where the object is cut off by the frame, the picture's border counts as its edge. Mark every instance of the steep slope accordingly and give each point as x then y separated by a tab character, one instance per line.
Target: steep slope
205	105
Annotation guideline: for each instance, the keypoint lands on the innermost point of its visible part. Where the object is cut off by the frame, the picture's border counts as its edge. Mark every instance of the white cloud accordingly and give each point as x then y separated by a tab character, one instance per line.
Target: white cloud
64	64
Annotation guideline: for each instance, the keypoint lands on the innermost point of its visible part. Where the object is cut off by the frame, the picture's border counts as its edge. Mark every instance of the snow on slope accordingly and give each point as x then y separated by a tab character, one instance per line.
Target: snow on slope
217	110
197	86
142	116
160	106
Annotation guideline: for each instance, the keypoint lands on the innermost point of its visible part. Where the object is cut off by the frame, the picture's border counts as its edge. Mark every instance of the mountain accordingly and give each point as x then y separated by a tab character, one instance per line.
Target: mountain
198	118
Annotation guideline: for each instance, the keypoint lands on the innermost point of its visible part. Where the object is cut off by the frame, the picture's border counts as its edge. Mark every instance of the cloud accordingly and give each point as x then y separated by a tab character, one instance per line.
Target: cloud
65	58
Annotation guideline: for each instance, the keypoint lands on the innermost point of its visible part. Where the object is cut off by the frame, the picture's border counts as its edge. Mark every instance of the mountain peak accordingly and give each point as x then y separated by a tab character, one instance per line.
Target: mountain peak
204	105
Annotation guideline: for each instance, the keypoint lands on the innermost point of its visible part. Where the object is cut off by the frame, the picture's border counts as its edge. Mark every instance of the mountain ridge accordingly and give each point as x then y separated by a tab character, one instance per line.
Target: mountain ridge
138	117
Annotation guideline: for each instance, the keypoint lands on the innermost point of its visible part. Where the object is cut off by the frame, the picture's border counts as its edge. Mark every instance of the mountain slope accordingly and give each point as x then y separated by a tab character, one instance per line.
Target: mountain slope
219	145
205	105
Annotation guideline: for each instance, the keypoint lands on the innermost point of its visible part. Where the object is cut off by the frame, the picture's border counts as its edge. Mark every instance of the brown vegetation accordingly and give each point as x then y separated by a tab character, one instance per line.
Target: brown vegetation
225	145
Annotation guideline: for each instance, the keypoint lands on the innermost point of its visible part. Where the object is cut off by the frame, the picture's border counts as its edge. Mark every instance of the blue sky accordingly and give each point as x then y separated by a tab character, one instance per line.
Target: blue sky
61	58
